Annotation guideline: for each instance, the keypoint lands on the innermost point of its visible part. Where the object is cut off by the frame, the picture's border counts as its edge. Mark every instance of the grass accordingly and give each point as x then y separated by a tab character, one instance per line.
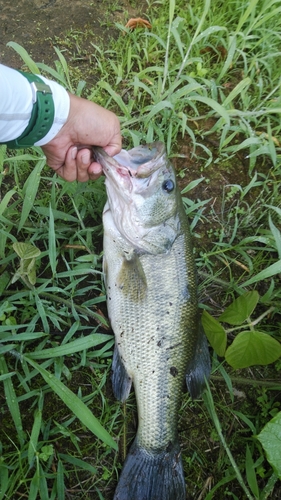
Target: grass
205	81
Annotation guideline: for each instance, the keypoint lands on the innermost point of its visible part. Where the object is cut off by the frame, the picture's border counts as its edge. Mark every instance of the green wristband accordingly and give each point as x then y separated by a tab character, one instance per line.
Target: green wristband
42	115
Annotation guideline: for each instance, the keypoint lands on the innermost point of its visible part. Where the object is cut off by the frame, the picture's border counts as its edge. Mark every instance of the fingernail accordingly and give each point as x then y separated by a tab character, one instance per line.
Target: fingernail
74	153
86	158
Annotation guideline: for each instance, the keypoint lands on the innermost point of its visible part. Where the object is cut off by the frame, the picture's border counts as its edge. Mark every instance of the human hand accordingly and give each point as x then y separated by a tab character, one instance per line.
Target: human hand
88	124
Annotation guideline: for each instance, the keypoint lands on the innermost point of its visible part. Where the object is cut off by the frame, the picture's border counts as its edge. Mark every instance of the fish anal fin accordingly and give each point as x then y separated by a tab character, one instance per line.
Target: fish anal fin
121	382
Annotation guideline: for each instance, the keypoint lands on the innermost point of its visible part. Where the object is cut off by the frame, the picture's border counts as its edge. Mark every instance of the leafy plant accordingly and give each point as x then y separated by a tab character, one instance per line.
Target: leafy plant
249	347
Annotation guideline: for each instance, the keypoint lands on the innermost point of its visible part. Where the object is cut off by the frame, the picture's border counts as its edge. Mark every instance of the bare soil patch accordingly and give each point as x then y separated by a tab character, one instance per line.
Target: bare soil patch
36	24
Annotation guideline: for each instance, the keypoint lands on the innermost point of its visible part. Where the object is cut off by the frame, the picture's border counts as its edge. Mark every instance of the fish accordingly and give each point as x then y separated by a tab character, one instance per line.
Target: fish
152	303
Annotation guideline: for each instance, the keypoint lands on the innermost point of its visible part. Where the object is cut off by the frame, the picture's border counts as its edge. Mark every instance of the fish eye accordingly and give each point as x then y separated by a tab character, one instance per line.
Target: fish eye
168	185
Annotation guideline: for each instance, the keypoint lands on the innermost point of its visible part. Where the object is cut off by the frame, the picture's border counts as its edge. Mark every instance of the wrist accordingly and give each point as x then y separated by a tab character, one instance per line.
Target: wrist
42	114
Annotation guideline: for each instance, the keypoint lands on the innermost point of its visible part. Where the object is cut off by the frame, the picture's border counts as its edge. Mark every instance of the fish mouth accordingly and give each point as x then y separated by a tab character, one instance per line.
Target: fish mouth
137	163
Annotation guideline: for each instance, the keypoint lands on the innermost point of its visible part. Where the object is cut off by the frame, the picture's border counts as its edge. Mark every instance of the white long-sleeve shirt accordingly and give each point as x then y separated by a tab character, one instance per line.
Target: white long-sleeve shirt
16	105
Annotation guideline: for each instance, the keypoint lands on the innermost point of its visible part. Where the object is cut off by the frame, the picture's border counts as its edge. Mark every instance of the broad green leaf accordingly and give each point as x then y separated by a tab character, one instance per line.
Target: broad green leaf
26	250
270	438
74	404
240	309
215	333
252	348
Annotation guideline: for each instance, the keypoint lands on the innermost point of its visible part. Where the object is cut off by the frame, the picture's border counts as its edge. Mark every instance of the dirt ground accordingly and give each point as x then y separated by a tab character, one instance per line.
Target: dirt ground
36	24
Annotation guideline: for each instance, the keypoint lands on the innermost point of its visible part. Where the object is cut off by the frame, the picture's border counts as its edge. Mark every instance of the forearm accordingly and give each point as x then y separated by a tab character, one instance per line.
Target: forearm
16	103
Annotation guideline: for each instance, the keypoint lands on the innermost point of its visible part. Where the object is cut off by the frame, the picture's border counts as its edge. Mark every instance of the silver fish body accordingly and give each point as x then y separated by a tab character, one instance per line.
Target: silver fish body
152	305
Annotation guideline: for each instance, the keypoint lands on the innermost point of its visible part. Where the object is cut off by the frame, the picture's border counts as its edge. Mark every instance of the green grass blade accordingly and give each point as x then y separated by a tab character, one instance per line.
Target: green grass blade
166	63
60	481
30	190
157	108
78	463
200	24
12	401
209	402
246	14
212	104
251	474
79	409
32	66
4	479
6	199
52	242
266	273
116	97
43	487
236	91
72	347
32	447
65	68
34	486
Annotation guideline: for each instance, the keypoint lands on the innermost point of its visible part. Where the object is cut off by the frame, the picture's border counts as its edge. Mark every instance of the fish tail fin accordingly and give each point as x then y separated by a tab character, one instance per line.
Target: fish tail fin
199	368
152	476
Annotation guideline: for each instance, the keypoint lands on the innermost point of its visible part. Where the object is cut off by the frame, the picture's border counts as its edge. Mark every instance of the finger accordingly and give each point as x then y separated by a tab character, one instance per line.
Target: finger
68	170
83	162
95	171
113	149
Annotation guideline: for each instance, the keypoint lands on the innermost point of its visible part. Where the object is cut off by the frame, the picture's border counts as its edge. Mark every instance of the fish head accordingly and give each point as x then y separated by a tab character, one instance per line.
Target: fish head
143	196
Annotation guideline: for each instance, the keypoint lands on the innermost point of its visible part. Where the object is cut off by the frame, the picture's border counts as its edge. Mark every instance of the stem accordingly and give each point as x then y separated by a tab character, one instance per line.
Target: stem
271	384
251	324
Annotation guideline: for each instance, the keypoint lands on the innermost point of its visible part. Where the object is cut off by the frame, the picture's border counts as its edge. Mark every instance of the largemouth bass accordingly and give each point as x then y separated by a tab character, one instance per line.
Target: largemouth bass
152	305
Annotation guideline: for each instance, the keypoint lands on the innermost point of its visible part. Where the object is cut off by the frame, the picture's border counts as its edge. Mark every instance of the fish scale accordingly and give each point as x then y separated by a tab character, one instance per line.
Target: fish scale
152	305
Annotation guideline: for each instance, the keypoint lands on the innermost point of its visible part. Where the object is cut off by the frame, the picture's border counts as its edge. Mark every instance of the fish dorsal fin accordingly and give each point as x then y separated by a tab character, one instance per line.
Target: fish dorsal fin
131	278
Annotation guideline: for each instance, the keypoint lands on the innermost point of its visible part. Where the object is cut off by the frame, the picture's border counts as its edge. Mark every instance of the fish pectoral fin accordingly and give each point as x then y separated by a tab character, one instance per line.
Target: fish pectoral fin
132	280
121	382
199	368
